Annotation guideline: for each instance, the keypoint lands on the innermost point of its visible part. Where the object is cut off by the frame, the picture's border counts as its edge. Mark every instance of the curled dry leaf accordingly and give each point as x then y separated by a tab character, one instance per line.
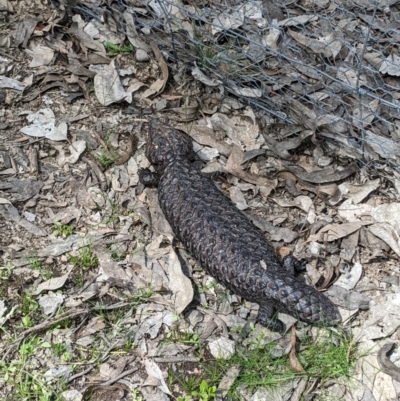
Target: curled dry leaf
333	232
60	247
386	364
158	86
298	20
153	370
86	39
234	167
364	115
293	361
388	213
108	269
52	284
357	193
391	65
93	326
21	190
303	202
180	285
352	213
329	174
158	221
387	233
281	148
200	76
228	379
10	83
276	233
242	132
328	45
222	348
206	136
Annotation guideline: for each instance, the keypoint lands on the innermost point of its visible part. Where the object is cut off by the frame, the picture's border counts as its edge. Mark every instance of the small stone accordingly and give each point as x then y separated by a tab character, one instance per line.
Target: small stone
194	317
391	280
161	104
315	248
141	55
72	395
243	312
222	348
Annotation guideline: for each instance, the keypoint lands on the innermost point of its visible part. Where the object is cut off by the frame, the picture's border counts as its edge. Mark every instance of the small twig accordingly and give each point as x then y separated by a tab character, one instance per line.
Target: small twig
94	363
81	373
100	140
114	306
8	55
123	374
42	326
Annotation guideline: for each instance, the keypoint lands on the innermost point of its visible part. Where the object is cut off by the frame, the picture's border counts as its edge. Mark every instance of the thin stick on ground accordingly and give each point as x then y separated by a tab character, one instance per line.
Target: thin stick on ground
40	327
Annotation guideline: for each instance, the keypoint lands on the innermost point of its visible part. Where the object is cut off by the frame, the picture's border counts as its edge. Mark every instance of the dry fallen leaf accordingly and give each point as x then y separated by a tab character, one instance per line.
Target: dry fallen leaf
357	193
43	124
41	55
329	174
52	284
293	361
108	86
328	45
387	233
391	65
180	285
233	166
158	86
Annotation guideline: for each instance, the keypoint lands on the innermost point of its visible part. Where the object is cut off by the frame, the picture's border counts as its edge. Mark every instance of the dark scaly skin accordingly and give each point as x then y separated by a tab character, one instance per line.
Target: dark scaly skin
227	245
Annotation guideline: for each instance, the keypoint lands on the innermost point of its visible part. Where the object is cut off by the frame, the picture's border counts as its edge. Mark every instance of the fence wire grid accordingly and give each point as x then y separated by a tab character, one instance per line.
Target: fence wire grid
328	66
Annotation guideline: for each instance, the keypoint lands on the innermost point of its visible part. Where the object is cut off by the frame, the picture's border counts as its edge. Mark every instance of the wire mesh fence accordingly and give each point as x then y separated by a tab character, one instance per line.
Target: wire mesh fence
332	67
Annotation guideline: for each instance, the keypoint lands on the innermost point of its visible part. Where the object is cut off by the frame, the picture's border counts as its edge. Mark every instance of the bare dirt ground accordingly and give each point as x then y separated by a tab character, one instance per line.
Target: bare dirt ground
97	300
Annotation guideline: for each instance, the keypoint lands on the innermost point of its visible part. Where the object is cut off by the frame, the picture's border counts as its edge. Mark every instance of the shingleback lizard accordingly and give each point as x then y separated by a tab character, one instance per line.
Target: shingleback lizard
222	239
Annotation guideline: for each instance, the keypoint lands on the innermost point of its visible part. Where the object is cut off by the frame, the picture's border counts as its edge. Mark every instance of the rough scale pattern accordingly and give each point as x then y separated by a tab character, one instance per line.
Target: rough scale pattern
227	245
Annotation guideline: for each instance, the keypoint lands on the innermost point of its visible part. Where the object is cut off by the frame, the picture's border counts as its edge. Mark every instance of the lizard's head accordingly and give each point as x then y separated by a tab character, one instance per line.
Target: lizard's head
166	144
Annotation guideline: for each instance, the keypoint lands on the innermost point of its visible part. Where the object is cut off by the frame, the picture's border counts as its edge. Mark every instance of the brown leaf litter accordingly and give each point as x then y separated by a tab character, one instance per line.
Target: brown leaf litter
144	289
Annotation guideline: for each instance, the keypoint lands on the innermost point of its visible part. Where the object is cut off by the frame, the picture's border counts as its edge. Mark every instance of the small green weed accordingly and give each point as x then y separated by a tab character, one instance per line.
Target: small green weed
79	280
6	271
36	264
59	349
117	255
183	337
86	258
136	395
63	230
29	347
205	391
141	295
28	307
117	49
105	158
